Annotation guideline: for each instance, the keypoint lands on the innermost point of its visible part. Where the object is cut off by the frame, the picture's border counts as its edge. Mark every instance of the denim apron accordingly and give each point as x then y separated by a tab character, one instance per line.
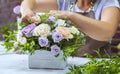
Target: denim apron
90	44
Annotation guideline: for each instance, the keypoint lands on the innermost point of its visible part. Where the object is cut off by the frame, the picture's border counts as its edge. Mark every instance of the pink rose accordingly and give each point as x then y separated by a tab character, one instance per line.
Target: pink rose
65	32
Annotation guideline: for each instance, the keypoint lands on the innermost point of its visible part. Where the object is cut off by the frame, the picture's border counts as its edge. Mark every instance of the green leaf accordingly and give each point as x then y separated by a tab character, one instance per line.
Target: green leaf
118	46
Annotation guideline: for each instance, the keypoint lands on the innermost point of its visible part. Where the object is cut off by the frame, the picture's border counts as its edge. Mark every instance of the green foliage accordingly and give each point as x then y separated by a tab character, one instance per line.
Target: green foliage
95	66
9	38
44	18
70	46
118	46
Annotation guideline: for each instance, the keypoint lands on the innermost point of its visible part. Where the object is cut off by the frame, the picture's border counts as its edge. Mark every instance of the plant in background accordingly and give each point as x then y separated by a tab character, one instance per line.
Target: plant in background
47	33
95	66
118	47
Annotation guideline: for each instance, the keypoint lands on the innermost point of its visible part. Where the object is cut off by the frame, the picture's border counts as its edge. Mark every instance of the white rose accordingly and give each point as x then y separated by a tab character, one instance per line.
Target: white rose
16	44
22	40
60	22
74	30
42	30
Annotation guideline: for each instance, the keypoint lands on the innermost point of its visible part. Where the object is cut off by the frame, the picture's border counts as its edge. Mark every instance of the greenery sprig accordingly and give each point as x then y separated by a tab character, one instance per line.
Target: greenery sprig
95	66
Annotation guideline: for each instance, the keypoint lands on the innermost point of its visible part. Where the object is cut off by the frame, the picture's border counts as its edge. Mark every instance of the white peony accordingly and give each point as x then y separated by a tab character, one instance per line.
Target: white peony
42	30
74	30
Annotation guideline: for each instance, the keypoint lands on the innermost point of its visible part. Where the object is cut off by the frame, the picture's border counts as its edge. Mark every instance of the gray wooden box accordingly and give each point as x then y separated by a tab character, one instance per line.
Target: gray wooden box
42	59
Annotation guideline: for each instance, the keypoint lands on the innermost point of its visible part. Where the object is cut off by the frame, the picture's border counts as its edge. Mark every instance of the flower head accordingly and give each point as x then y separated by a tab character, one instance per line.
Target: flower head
16	9
27	31
15	44
51	19
74	30
43	41
60	22
65	32
42	30
19	33
57	37
22	40
55	50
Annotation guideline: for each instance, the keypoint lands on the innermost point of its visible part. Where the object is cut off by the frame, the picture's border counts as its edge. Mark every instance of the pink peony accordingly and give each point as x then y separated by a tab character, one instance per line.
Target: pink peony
65	32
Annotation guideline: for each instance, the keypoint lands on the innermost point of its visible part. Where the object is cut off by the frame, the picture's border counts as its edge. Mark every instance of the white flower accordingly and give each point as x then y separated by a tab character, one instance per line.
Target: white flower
70	36
20	33
60	22
42	30
22	40
16	44
74	30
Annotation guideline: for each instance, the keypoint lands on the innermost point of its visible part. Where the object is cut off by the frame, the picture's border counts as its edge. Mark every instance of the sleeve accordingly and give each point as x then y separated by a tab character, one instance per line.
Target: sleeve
102	4
113	3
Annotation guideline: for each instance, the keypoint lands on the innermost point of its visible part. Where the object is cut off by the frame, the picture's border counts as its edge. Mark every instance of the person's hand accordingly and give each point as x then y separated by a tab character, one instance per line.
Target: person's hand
29	17
60	14
26	17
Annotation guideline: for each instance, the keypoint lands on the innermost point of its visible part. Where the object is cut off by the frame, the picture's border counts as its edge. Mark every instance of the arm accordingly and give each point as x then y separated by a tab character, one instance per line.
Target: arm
28	7
102	30
38	5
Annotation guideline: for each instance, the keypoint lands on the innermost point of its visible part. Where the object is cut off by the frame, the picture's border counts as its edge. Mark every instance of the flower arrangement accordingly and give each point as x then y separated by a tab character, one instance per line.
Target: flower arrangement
47	33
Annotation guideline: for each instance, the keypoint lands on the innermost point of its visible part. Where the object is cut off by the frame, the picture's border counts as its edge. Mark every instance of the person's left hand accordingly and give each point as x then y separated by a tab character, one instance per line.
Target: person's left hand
60	14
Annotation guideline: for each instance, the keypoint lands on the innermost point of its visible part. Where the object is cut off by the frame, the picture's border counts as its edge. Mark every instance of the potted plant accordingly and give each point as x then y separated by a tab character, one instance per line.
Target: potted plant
48	41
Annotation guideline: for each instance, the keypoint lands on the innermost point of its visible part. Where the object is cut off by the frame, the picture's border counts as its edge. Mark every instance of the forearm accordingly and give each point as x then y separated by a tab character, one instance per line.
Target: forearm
98	30
38	5
27	6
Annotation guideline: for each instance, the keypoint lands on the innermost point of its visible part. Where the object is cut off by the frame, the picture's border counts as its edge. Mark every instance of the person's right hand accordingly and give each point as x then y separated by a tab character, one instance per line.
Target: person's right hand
30	18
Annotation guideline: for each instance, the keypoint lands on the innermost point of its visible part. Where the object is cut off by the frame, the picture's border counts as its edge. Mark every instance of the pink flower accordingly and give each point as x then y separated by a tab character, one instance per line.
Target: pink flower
36	19
65	32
